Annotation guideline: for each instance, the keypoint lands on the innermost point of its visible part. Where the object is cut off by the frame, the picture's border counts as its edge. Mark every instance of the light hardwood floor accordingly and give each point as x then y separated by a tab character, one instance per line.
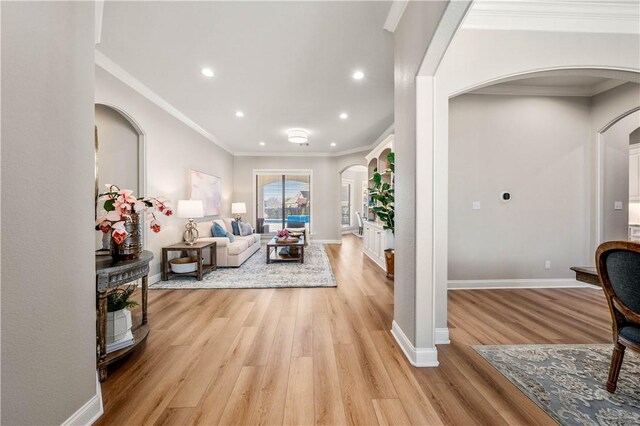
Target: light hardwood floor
325	355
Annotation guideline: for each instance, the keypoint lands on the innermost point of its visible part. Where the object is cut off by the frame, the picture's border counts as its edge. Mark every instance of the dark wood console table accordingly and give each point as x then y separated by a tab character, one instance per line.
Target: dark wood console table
108	276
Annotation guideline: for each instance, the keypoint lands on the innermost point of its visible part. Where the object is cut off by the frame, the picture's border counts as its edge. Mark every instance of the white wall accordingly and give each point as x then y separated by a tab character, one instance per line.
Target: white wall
48	274
614	151
537	148
172	150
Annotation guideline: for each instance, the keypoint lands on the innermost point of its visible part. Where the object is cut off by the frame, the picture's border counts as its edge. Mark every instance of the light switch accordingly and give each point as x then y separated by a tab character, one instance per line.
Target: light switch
476	205
617	205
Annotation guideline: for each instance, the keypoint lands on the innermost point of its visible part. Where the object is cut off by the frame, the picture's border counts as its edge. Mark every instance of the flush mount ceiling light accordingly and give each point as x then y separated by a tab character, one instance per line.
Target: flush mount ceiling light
207	72
299	136
239	114
358	75
344	116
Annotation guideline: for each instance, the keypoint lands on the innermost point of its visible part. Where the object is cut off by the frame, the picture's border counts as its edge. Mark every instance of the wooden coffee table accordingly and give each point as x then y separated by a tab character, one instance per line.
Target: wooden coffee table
285	250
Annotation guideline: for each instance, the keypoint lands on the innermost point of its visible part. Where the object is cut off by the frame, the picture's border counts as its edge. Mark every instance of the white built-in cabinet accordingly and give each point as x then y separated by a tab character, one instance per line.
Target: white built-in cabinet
634	172
375	237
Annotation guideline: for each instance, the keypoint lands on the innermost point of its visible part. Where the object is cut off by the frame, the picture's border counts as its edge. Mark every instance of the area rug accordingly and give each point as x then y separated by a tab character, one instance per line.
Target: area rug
567	381
255	273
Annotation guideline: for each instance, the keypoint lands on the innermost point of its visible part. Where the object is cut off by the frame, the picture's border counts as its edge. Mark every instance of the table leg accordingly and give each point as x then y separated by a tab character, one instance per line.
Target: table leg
102	334
199	254
268	252
213	257
145	288
165	261
302	254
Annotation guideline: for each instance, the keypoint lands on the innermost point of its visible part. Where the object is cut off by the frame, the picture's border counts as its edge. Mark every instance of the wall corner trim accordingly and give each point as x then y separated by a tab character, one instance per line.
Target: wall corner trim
91	411
442	336
517	283
418	357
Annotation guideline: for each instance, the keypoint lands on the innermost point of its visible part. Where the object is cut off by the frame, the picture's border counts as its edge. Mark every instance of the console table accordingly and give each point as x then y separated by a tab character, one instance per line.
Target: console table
110	274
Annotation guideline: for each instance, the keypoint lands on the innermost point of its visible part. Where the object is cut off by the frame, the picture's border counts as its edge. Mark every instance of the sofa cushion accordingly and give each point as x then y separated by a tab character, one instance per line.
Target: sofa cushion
237	247
245	229
236	228
221	223
220	241
219	231
204	228
250	239
228	223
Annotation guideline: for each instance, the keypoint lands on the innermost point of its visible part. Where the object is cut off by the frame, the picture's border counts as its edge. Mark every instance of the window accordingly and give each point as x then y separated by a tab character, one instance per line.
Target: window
283	200
345	204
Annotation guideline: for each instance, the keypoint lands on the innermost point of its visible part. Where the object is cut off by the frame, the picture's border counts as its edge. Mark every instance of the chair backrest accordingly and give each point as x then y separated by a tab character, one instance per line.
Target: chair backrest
360	224
618	264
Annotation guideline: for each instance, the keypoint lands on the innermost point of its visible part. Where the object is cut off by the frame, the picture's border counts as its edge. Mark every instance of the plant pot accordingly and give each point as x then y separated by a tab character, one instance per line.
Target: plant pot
389	255
131	247
391	239
118	323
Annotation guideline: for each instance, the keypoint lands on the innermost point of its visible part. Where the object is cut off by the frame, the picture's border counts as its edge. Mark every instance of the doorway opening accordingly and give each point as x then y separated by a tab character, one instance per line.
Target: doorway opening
354	198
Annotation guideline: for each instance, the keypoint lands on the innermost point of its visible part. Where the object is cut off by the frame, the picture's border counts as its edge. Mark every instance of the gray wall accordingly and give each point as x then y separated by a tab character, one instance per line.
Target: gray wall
172	150
537	148
48	292
615	177
118	159
411	39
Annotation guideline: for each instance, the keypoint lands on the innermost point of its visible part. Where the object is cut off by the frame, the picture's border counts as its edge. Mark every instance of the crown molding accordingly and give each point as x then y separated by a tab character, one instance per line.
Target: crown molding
121	74
525	90
395	14
614	17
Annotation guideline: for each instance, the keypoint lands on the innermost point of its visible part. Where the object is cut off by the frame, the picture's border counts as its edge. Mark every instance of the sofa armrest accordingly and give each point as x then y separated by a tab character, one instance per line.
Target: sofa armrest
220	241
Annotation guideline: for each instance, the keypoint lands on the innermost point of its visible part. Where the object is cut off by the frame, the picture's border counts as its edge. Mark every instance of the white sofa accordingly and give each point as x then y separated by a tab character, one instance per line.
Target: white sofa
229	253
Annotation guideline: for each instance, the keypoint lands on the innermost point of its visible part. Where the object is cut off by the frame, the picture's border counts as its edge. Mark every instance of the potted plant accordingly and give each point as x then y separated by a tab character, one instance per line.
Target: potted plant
121	218
382	194
118	313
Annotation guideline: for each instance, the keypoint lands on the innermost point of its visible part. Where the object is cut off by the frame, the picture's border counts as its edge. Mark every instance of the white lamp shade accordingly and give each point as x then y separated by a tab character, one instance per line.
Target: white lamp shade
238	208
190	209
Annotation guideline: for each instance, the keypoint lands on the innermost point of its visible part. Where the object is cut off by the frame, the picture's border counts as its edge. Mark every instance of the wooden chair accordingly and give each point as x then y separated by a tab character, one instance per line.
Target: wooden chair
618	264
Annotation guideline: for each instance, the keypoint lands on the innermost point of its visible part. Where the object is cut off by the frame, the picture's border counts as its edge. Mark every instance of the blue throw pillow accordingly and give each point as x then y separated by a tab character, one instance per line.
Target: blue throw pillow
219	231
245	229
235	227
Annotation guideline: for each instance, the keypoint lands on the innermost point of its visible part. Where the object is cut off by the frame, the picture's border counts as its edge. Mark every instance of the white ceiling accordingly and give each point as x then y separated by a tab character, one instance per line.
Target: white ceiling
571	83
284	64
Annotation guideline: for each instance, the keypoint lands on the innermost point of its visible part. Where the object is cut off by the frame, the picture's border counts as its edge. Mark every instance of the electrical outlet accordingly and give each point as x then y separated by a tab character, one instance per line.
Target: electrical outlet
617	205
547	264
476	205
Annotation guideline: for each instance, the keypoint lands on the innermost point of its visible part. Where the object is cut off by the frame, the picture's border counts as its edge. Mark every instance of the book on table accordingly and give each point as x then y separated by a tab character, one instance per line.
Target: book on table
127	340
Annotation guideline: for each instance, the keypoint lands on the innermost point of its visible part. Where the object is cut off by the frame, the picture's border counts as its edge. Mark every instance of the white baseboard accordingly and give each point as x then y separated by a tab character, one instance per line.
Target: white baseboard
517	283
155	278
418	357
90	411
442	336
313	240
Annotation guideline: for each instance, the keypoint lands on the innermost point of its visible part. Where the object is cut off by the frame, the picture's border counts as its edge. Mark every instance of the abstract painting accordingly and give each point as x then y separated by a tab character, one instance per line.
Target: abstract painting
208	189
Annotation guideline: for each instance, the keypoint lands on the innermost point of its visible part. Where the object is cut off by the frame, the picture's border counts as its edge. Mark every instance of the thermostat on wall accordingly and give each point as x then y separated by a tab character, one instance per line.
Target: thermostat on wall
505	196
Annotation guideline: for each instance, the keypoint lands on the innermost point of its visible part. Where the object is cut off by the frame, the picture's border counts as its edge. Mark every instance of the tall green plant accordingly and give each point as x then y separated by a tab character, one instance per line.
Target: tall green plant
383	194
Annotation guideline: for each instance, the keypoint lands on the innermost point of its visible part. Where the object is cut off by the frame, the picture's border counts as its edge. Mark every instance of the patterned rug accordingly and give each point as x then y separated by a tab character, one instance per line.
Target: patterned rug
567	381
255	273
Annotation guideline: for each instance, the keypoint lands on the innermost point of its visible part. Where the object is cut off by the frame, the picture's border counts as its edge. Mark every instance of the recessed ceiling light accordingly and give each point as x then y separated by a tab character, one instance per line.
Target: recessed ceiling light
333	144
239	114
262	144
358	75
344	116
207	72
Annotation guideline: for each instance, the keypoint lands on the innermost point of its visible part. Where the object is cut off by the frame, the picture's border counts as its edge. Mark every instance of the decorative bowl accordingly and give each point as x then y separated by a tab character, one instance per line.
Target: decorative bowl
184	265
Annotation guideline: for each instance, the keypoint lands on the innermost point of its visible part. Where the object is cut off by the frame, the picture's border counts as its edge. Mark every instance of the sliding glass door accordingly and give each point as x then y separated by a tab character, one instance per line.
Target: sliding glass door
283	200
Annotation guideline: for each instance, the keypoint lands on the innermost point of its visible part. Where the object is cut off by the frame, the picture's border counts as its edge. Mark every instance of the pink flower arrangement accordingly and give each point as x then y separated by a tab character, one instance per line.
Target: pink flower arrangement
119	204
283	234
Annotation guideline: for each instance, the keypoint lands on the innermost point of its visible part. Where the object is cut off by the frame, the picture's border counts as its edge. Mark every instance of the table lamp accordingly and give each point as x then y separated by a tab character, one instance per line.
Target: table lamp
238	209
190	209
